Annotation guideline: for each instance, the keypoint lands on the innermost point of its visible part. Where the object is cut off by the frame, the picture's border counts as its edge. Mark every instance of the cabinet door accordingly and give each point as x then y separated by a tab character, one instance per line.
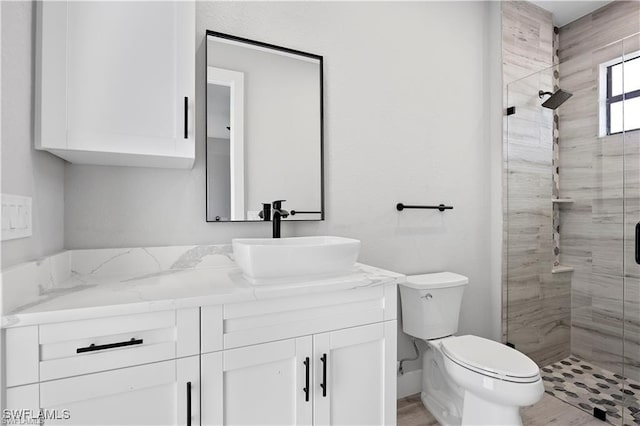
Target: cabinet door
22	403
258	385
113	81
355	380
155	394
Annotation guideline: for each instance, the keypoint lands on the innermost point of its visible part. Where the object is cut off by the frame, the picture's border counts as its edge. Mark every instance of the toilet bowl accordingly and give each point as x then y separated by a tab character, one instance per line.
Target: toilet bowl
467	380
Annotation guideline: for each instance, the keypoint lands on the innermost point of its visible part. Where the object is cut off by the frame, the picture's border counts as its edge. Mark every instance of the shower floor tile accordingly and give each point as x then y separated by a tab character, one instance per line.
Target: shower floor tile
586	386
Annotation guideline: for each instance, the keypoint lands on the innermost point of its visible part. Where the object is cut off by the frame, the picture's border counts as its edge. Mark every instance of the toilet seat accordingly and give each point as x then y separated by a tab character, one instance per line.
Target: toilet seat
490	359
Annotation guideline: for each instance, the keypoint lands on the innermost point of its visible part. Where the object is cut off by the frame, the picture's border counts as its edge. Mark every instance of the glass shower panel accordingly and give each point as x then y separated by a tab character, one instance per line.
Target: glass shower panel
603	338
537	308
630	391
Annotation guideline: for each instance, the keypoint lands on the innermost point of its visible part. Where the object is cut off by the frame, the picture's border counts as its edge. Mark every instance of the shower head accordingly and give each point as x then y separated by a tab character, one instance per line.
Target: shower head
556	99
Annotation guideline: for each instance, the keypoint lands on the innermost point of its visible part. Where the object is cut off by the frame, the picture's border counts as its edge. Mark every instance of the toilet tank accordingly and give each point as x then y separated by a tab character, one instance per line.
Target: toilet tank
431	304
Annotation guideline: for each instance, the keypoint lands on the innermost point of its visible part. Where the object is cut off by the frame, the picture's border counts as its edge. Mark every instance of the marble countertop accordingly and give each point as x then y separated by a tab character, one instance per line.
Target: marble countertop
93	288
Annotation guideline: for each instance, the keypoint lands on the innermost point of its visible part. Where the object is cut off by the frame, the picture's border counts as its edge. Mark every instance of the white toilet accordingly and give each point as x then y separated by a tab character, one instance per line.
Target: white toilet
466	380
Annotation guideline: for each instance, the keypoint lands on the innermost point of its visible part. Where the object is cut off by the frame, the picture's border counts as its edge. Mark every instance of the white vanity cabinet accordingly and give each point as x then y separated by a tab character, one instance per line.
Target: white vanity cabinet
121	370
115	82
325	359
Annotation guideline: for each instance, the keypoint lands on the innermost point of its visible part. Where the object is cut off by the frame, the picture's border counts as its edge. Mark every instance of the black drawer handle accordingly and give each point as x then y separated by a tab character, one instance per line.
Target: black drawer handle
306	380
93	347
188	403
323	385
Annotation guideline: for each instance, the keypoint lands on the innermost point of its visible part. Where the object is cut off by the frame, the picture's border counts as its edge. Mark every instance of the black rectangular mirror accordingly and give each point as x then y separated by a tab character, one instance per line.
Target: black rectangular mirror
264	130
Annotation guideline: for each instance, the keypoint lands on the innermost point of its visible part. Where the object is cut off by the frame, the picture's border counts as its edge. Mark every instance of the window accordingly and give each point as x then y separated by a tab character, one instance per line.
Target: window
622	84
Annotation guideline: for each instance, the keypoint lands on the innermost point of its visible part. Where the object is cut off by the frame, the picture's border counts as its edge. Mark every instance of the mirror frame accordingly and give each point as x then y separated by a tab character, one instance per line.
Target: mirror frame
272	47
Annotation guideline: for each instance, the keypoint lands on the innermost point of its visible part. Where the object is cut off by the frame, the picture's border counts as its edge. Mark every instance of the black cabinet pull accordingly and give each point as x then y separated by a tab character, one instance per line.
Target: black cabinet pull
93	347
323	385
188	403
306	379
186	117
638	243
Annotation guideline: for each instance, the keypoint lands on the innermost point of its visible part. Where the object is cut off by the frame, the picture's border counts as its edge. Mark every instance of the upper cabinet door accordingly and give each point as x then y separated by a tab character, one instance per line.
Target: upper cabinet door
116	82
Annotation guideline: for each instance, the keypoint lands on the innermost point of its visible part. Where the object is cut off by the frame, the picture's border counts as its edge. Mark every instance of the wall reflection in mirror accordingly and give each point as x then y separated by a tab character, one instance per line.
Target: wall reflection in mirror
264	130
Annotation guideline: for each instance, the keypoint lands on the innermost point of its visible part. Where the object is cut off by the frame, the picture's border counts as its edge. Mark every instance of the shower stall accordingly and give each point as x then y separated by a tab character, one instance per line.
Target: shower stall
572	213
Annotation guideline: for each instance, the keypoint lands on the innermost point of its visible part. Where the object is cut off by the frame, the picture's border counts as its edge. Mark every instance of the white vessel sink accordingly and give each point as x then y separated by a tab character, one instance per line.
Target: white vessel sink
265	260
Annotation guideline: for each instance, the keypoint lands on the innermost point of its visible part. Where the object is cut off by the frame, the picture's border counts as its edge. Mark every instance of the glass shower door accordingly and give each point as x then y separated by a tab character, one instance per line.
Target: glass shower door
630	112
573	200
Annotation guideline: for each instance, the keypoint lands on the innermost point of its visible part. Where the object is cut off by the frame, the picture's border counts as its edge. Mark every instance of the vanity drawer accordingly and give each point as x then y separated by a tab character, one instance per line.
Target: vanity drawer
58	350
80	347
269	320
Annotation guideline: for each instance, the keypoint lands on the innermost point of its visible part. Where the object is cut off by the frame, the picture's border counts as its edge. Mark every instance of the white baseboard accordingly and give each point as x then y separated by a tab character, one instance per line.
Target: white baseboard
409	383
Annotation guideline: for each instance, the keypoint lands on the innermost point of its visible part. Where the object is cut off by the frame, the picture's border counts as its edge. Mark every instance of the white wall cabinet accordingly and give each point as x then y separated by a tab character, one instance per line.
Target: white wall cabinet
116	82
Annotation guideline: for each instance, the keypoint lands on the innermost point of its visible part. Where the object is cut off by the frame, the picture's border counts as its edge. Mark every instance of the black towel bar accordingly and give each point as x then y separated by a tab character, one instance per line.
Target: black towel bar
295	212
441	207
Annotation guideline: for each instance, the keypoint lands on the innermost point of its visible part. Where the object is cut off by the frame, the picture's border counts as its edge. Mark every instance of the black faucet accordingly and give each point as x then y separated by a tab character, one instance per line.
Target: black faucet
277	213
274	214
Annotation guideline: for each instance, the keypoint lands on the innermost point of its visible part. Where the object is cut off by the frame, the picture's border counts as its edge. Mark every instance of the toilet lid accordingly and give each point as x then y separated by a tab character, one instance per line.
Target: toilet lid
491	359
435	280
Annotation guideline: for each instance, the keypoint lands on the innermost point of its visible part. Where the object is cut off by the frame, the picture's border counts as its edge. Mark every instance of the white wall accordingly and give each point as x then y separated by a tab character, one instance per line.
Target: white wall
25	171
410	115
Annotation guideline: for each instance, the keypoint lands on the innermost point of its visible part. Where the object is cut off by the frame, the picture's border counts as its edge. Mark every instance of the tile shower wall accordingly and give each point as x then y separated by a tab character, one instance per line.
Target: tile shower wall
593	229
536	304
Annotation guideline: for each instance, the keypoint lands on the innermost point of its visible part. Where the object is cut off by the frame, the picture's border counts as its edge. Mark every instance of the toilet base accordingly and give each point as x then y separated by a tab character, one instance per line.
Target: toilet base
456	396
478	411
443	414
442	397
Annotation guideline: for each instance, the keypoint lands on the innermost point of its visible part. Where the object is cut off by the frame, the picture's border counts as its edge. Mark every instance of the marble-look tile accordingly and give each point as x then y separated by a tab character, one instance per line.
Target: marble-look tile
28	280
121	281
600	28
147	260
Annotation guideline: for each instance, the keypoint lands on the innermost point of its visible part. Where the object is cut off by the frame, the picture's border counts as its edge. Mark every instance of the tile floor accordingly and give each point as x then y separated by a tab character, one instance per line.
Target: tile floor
587	386
549	411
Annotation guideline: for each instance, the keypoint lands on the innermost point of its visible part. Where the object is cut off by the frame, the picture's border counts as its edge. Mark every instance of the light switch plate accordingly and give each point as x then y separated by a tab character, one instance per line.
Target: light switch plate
16	217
